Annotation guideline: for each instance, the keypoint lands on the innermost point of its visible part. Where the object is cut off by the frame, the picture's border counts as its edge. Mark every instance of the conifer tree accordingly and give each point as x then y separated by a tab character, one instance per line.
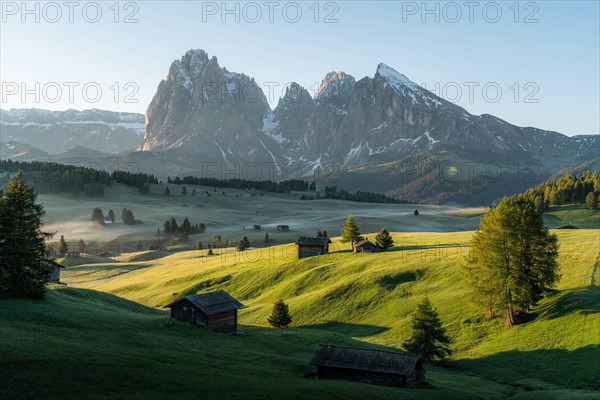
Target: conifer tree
591	200
384	240
186	226
429	338
82	246
514	258
24	268
280	316
63	247
97	216
350	231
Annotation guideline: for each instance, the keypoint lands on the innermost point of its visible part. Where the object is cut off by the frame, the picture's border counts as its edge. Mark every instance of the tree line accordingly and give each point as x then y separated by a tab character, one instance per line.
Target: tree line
570	188
266	186
48	177
331	192
139	180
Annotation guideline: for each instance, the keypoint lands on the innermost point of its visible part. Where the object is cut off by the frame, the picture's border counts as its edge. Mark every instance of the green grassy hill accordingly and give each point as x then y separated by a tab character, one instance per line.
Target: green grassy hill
106	335
82	344
344	298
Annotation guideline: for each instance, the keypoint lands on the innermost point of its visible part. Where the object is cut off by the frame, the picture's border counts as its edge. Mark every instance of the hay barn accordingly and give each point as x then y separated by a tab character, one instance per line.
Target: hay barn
311	246
368	366
214	310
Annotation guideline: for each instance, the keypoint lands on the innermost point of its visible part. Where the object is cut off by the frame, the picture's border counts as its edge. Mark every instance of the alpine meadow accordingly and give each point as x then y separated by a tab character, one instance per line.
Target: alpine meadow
171	229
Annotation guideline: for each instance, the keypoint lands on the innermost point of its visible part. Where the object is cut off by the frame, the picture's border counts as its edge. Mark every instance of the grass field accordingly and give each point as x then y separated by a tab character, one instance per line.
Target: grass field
106	334
233	217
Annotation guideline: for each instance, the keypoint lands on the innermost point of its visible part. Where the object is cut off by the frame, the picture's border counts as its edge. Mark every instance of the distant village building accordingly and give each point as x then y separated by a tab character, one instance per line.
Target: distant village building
312	246
214	310
73	254
54	276
368	366
283	228
365	246
257	227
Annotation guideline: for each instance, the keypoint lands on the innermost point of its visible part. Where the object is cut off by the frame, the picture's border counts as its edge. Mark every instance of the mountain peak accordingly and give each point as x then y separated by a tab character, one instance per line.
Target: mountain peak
334	80
393	76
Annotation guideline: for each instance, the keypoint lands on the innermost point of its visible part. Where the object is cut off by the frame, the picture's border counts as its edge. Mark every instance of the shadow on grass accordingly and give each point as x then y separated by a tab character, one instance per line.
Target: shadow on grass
390	282
413	247
356	330
584	300
540	369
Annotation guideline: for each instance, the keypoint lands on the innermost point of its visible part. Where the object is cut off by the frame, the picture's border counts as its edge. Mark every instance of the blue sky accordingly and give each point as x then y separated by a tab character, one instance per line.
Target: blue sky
543	56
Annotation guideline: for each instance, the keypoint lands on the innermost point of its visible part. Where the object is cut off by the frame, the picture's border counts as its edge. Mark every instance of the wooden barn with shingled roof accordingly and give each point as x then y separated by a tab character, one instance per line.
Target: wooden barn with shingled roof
214	310
369	366
312	246
365	246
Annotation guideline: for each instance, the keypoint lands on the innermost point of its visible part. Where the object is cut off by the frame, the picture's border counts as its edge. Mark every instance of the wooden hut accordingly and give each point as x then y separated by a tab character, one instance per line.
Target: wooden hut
54	276
368	366
214	310
365	246
312	246
283	228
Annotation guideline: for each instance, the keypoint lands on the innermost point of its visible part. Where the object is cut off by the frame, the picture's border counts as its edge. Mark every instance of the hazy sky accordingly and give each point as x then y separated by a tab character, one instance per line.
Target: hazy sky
531	63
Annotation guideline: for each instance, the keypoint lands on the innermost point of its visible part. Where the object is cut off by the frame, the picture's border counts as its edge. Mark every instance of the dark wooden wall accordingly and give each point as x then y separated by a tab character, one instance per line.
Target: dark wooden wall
305	250
225	322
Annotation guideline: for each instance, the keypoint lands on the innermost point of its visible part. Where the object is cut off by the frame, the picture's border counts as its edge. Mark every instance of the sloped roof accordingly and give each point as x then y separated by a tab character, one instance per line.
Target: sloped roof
211	303
55	264
365	360
363	242
313	241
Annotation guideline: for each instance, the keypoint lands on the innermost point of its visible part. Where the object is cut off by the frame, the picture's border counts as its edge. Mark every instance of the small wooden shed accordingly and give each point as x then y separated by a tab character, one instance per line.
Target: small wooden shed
365	246
214	310
54	276
312	246
369	366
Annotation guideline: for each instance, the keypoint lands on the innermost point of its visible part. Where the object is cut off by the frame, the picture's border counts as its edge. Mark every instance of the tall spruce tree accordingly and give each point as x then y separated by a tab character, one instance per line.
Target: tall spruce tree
97	216
280	316
24	268
351	231
173	225
514	258
384	240
186	226
429	338
591	200
63	247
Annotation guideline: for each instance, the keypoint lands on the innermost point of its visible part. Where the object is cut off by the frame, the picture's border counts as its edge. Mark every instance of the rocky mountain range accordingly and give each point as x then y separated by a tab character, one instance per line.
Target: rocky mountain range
382	133
54	132
203	114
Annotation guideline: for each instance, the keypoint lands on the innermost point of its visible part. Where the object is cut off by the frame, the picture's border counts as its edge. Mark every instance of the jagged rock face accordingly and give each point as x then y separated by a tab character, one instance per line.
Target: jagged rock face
54	132
204	113
199	114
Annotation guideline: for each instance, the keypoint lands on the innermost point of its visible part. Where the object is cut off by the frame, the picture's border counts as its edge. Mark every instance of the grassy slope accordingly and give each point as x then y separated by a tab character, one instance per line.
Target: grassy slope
82	344
370	297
